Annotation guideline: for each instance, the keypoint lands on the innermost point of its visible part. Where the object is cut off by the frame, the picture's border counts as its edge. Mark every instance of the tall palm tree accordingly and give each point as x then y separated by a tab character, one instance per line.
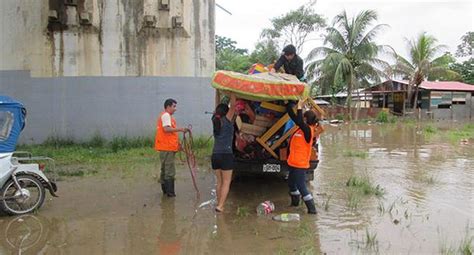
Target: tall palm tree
422	62
349	57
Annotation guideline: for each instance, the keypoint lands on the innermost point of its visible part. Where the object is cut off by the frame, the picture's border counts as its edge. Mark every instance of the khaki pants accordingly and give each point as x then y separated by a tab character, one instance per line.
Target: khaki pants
168	170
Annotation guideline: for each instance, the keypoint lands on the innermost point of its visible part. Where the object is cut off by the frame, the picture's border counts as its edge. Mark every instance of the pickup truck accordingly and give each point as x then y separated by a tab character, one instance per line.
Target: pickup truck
263	126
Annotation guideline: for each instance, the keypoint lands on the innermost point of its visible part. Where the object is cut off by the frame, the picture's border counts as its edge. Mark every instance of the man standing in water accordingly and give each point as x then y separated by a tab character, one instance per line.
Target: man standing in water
167	143
291	62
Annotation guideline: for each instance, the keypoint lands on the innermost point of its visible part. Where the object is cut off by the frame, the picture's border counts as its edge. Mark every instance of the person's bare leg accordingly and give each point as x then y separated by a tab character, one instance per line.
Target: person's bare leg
226	180
219	184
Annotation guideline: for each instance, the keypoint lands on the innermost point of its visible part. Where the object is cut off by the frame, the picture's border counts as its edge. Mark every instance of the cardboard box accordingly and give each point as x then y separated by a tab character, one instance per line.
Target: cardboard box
252	129
263	121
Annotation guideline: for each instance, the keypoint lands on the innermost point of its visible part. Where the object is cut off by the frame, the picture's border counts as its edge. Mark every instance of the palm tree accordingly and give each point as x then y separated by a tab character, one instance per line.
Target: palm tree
349	55
422	62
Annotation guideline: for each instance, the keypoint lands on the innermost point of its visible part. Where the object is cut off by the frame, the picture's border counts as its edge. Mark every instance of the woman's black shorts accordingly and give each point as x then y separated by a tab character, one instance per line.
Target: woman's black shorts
222	161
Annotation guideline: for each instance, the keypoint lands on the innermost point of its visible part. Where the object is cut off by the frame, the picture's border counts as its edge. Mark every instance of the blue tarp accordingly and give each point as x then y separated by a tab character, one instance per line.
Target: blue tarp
12	122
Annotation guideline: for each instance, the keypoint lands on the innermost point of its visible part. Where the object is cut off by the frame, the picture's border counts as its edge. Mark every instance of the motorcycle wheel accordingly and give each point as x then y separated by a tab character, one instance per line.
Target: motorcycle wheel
32	200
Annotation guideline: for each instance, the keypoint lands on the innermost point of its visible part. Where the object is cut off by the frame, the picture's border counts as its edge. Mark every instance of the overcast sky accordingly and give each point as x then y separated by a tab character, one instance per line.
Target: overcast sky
447	20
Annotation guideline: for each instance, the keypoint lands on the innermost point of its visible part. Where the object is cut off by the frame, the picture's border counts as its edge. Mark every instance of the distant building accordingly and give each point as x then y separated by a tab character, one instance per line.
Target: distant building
359	97
108	37
437	99
389	94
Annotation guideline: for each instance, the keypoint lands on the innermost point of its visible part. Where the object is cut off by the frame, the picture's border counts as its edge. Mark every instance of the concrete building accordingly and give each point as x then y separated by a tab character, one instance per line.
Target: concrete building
58	56
54	38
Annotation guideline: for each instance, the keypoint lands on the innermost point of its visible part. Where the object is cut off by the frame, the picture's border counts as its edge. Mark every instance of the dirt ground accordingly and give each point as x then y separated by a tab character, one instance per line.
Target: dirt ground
426	205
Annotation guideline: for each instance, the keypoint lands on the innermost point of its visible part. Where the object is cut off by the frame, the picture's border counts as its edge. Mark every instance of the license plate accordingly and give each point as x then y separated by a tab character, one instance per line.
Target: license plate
271	168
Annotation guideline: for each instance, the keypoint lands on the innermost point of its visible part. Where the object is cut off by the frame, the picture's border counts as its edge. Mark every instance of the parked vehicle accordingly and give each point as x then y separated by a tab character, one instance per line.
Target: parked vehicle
263	127
22	179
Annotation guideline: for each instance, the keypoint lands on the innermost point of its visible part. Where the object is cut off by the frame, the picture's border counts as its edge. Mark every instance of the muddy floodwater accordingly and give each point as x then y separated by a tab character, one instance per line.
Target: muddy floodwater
426	205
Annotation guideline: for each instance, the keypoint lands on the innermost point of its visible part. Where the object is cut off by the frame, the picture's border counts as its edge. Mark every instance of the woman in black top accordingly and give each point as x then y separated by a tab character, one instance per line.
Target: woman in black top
222	159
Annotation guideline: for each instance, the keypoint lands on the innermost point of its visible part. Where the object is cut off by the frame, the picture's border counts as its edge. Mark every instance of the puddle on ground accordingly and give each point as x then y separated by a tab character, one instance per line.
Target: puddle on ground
427	206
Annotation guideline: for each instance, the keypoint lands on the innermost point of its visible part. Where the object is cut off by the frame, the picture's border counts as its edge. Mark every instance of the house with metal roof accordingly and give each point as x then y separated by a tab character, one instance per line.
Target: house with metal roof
437	99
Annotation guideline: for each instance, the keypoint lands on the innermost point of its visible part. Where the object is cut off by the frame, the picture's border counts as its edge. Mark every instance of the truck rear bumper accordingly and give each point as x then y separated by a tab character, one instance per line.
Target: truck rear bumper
269	167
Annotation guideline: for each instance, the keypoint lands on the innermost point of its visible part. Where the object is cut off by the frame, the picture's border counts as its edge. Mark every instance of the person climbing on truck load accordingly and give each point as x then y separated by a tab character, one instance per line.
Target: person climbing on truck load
299	156
291	62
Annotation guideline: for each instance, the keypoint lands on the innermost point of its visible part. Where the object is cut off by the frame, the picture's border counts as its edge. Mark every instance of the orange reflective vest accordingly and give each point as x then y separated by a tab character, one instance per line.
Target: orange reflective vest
166	141
300	150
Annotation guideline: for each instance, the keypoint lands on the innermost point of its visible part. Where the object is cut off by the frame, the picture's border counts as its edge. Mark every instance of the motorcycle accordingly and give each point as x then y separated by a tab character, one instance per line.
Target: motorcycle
23	181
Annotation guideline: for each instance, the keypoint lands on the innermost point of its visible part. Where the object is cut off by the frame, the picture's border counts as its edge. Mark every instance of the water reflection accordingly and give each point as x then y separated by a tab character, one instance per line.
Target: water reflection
169	241
26	234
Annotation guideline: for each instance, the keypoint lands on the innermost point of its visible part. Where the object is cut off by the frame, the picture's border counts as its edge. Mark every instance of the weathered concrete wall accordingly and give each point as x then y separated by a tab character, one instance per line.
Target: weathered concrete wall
79	107
458	112
121	38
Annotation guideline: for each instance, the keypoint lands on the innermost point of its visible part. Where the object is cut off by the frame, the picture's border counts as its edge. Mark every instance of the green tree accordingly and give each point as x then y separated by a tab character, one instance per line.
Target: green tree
447	60
295	27
349	55
465	69
465	48
422	63
266	52
229	57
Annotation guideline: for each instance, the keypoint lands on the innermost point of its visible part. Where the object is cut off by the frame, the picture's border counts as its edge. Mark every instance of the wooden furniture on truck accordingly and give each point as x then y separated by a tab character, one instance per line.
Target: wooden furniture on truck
262	140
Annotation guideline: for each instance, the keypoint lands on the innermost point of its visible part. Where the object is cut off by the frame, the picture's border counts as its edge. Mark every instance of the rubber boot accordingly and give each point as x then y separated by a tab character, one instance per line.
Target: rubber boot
163	188
295	200
311	207
170	188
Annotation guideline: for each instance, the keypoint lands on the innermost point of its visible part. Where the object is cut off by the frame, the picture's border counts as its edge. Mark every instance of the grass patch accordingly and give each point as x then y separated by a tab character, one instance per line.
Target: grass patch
430	129
353	200
382	117
370	240
356	154
465	246
76	173
456	135
326	203
364	186
431	180
385	117
306	234
242	211
121	154
98	150
339	116
358	188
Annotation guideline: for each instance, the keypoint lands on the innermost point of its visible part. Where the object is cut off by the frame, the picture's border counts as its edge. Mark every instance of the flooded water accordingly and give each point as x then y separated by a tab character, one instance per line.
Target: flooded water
427	206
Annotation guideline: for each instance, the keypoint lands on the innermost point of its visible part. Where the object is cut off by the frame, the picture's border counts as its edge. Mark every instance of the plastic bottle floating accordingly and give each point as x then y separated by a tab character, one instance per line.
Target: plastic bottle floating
287	217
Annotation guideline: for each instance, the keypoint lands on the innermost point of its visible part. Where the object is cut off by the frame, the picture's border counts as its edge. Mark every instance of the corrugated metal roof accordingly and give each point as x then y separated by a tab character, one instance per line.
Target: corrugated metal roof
446	86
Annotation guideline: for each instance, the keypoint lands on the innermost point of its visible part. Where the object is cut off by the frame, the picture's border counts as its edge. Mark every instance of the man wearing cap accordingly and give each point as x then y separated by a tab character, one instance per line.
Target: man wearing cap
291	62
